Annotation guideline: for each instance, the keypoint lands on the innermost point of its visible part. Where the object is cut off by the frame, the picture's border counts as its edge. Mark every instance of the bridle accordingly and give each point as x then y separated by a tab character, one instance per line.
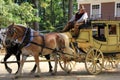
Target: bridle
12	32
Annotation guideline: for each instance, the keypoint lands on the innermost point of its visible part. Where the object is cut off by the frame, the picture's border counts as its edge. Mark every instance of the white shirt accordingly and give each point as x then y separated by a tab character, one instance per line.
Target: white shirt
83	18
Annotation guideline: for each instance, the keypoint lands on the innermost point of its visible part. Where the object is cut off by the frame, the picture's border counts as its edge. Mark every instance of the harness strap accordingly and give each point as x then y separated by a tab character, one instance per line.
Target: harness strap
26	38
43	45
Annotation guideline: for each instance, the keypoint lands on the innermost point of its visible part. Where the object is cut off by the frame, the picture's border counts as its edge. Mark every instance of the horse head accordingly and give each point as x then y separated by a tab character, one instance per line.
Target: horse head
2	37
14	33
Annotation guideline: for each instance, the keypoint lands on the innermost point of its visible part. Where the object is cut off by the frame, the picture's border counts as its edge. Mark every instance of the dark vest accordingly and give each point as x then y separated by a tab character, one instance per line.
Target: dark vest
78	16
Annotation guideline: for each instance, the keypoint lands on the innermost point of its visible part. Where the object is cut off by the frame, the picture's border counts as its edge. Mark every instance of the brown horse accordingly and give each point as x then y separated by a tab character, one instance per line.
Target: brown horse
35	44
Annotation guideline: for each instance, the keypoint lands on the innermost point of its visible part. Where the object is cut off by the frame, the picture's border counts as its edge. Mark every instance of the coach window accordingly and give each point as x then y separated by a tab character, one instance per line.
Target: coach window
99	32
112	29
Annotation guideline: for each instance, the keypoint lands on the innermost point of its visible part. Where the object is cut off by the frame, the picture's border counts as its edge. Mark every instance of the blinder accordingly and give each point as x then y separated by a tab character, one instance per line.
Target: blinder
11	31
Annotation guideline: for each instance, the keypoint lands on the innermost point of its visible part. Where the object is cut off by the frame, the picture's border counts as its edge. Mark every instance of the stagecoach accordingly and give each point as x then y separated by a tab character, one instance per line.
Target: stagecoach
99	47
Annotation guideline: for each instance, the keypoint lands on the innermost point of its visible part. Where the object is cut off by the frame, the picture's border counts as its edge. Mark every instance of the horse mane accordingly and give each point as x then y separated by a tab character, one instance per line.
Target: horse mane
21	25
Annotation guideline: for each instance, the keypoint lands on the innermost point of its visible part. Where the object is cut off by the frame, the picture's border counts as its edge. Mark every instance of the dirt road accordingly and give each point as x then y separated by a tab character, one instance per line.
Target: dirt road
78	73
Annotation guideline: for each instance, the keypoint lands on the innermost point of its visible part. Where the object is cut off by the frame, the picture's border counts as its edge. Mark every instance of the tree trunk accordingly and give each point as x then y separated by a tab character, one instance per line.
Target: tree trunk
70	11
63	2
36	24
52	12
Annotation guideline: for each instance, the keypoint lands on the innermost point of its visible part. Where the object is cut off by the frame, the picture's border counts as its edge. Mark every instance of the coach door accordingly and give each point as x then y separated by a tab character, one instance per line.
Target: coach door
112	37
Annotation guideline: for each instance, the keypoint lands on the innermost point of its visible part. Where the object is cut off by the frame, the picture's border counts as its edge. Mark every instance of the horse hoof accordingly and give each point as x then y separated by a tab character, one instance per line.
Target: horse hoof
50	71
16	72
53	73
68	72
37	75
16	76
31	72
9	70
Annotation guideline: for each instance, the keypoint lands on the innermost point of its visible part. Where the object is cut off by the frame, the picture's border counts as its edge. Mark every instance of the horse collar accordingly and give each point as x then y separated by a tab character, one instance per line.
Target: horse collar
26	39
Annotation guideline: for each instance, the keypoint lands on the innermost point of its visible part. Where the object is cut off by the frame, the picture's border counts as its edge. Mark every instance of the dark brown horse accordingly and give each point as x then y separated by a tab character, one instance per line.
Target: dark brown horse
35	44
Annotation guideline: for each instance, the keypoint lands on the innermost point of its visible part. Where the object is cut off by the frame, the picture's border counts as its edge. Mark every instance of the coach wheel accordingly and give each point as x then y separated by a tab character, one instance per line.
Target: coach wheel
94	61
109	63
66	65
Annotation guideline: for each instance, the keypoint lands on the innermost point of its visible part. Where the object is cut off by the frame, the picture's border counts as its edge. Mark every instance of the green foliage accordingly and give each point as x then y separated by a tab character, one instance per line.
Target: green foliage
12	12
54	14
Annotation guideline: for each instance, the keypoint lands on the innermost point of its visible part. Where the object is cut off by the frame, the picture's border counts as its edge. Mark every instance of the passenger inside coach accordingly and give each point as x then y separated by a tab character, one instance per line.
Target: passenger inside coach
98	33
112	29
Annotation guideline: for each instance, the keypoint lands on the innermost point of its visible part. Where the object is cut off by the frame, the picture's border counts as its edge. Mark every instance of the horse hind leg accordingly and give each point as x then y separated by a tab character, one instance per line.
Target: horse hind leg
50	66
34	69
56	62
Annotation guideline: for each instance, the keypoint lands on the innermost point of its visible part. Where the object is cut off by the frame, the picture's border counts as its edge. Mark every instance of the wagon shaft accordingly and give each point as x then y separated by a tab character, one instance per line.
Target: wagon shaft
27	61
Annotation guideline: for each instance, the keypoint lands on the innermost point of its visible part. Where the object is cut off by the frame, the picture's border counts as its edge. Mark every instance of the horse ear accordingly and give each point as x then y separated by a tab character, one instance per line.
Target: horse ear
13	24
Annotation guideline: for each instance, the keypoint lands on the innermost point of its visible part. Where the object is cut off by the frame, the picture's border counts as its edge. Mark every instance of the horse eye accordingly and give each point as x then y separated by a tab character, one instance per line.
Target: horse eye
10	32
4	33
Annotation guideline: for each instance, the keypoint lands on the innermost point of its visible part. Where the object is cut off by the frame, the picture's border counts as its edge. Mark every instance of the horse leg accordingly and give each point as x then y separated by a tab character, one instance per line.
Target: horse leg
24	57
56	62
36	57
34	69
18	61
5	59
50	66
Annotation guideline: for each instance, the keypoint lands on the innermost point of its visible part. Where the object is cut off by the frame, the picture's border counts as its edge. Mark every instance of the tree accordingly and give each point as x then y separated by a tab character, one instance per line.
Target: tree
70	11
35	23
12	12
49	15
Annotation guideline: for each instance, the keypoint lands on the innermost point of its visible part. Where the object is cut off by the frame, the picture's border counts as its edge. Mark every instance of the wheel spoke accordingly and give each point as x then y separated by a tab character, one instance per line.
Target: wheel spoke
67	65
93	68
95	55
89	59
90	65
98	65
98	56
94	61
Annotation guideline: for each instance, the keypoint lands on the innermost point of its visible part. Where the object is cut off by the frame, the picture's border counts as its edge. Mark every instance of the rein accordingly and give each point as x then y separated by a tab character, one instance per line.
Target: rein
41	45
